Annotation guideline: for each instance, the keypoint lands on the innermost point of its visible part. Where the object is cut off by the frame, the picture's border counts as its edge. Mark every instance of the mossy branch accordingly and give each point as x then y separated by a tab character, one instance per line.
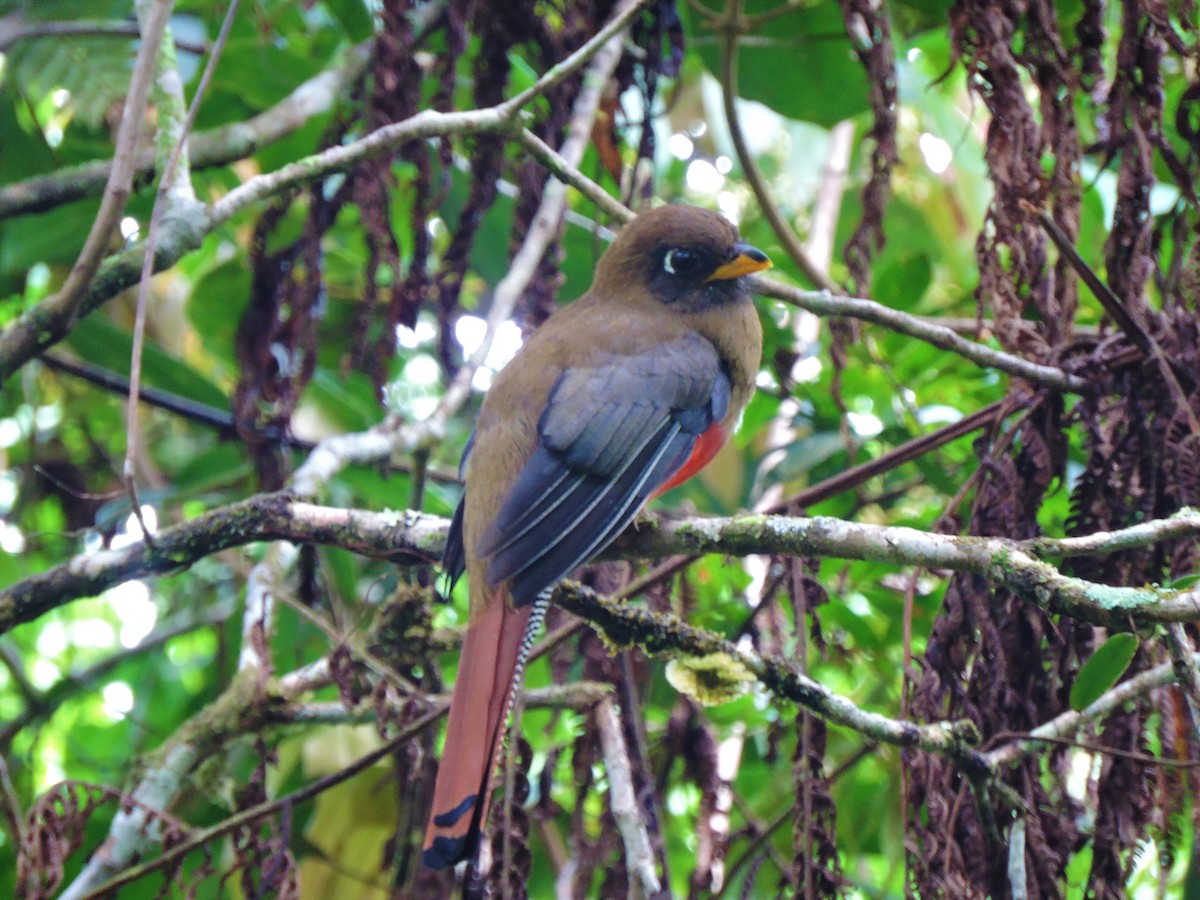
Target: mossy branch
408	537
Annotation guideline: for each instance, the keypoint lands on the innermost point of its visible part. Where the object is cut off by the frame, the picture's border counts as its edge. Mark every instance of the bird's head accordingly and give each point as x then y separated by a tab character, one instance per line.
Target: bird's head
685	257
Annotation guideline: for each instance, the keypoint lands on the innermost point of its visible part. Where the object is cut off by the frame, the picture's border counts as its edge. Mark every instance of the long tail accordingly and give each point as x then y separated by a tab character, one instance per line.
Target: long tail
490	671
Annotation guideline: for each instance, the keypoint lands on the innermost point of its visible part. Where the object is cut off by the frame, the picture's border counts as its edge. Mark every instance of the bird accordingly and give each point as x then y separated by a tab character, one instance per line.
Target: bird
617	397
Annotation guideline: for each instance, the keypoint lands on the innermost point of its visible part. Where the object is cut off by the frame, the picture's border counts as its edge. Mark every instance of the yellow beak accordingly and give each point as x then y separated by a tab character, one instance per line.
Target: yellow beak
748	261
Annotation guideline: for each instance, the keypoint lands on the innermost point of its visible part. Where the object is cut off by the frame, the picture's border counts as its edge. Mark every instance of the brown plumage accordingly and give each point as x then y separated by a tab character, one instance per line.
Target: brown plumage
622	394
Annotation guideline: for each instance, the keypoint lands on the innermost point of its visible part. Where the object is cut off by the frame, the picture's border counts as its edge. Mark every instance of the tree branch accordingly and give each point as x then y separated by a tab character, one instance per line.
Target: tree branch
44	325
622	798
409	536
170	113
659	633
14	29
386	441
181	234
1072	721
823	303
730	27
207	149
220	722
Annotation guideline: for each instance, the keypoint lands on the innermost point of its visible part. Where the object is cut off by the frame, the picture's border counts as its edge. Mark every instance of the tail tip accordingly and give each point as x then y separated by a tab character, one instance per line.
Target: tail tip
444	852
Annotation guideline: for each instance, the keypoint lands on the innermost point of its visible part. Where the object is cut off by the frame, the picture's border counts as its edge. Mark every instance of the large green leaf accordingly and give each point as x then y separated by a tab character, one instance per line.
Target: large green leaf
99	341
800	64
23	151
94	71
216	305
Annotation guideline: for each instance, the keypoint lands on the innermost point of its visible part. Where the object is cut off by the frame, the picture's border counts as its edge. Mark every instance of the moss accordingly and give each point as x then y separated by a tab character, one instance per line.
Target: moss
1113	598
710	680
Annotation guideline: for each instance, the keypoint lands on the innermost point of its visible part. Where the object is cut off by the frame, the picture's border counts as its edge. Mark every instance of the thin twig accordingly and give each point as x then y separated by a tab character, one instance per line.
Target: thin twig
178	191
15	32
548	219
1142	758
578	696
41	707
659	633
621	18
761	836
1072	721
730	28
261	810
55	316
825	303
43	325
192	410
12	805
12	661
1174	374
25	337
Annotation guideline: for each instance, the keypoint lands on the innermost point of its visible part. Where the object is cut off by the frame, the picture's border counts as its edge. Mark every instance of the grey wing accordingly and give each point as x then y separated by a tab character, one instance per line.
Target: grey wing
609	437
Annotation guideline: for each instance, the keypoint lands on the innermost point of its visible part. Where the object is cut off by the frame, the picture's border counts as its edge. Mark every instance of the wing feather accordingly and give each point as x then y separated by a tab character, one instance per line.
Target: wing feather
608	437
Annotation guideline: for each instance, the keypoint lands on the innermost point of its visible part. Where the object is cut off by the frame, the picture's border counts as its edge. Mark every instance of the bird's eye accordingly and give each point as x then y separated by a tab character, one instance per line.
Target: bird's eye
681	262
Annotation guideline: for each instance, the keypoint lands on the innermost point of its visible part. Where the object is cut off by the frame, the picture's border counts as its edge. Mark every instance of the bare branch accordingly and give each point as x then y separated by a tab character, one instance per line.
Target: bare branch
823	303
565	172
1073	721
425	124
622	798
170	113
182	234
542	230
264	517
12	805
175	194
112	866
14	28
387	441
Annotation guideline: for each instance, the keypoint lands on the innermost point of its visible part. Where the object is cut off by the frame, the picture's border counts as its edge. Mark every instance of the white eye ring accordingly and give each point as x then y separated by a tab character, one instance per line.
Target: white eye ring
687	260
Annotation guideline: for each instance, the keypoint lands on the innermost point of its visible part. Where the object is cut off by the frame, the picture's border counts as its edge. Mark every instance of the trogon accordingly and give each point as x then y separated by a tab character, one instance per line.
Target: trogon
626	392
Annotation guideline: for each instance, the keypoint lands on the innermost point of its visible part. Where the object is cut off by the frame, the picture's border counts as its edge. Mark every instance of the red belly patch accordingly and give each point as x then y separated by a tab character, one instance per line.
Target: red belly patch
706	448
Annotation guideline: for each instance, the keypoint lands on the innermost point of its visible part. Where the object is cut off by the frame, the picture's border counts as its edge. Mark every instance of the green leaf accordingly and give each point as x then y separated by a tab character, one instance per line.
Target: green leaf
489	255
53	238
22	152
809	452
93	70
211	469
263	73
347	399
1103	669
902	282
99	341
1191	879
799	64
353	16
216	306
